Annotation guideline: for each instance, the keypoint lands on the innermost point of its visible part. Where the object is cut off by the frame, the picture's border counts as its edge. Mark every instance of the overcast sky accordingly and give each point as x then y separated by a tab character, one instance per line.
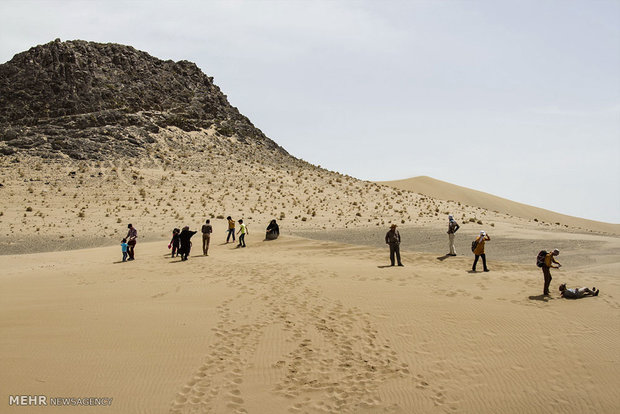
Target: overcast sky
520	99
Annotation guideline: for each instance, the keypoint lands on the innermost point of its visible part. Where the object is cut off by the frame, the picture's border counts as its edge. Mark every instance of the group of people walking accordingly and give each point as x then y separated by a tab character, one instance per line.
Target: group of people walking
181	244
545	260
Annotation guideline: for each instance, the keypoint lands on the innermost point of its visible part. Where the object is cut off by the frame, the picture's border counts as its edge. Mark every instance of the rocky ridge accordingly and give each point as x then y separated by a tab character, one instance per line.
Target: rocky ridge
95	101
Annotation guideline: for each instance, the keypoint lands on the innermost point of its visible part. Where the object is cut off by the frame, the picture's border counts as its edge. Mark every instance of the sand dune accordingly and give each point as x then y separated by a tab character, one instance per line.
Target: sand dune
304	326
446	191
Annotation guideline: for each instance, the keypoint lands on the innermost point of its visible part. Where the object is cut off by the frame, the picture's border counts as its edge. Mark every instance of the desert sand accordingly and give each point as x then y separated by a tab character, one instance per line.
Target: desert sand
312	322
297	325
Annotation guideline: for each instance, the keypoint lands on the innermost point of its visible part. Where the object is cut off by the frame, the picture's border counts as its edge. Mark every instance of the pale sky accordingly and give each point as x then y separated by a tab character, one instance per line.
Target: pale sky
520	99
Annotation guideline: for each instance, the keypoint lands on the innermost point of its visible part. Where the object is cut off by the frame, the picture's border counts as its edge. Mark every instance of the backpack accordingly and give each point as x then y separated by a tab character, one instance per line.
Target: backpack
540	259
474	244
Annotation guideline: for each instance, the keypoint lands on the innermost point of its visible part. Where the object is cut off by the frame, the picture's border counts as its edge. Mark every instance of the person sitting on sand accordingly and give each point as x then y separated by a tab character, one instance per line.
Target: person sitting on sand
186	244
577	293
273	230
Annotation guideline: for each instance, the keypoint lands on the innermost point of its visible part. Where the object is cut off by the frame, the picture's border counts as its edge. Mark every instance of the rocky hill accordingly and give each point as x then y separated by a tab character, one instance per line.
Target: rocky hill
96	101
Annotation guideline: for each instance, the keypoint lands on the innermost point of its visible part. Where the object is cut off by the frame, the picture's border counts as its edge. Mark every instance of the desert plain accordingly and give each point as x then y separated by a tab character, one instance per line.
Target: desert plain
315	321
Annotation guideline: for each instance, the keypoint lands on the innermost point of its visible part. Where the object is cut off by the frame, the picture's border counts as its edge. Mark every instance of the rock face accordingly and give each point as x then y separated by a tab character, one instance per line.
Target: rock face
91	100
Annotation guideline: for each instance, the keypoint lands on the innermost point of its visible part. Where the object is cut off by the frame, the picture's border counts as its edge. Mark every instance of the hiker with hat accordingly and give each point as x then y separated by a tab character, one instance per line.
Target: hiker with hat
392	238
546	268
478	248
453	226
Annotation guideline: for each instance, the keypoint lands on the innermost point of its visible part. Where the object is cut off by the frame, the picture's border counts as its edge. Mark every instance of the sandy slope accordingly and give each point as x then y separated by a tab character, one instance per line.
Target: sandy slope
446	191
304	326
65	204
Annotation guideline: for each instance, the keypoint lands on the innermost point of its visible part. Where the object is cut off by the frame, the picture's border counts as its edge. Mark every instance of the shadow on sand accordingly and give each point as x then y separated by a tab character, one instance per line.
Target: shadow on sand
542	298
444	257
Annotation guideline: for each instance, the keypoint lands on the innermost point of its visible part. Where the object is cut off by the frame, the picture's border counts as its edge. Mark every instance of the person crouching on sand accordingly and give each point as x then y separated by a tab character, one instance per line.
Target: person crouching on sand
577	293
273	230
392	238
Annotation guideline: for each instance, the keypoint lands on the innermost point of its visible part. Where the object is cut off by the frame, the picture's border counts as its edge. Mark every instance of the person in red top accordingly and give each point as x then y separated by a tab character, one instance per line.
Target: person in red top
479	251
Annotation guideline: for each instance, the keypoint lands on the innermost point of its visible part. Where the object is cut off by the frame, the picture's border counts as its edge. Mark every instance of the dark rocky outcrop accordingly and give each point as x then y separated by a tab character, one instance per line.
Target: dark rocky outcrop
91	100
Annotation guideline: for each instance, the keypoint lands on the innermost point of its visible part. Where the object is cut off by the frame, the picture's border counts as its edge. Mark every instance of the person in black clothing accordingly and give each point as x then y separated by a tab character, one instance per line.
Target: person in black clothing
273	231
186	244
175	242
392	238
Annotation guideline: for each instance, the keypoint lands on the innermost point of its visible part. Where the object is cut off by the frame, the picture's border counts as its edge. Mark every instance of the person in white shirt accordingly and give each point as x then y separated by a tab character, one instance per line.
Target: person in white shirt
577	293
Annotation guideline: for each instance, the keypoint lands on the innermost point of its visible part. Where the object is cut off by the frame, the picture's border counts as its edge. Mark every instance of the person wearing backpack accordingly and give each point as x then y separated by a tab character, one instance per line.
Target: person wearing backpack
453	226
477	247
546	269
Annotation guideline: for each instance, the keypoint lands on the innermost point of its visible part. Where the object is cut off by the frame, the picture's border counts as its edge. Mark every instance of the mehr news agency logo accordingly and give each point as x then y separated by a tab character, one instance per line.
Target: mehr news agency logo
43	400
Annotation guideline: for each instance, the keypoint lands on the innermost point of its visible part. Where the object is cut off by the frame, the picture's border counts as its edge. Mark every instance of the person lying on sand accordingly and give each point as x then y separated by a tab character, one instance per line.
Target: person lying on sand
577	293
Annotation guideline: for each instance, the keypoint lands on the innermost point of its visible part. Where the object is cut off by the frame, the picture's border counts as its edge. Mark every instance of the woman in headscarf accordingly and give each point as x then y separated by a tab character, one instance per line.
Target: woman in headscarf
273	230
186	244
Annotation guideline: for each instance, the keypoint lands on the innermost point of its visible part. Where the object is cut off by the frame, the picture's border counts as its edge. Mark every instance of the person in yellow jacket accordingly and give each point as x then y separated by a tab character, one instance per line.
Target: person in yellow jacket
479	251
546	269
231	229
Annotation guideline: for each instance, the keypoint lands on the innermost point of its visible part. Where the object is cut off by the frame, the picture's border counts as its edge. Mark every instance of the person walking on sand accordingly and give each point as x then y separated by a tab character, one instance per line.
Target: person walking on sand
392	238
124	249
131	237
547	265
186	244
243	230
206	237
175	242
231	229
478	249
453	227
